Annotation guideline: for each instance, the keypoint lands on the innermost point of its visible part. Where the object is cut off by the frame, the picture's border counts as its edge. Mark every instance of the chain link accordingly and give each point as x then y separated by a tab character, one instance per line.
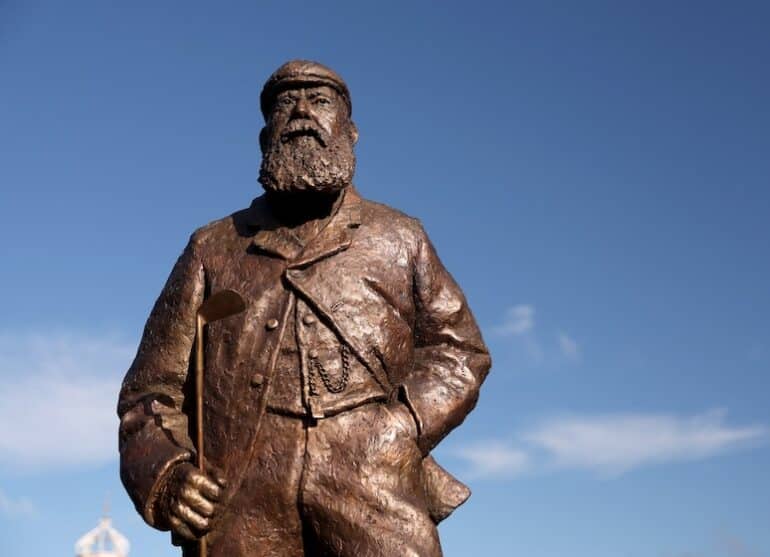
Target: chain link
331	386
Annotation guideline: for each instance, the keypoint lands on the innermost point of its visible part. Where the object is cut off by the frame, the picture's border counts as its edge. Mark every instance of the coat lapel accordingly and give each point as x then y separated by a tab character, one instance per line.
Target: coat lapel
337	235
271	237
275	239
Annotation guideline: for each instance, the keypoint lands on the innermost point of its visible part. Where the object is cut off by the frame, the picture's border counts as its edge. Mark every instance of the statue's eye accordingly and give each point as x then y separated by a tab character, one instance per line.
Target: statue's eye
286	101
322	100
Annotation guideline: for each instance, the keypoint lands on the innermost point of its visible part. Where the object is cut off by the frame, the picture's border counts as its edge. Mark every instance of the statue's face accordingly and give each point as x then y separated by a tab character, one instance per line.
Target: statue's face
307	143
320	105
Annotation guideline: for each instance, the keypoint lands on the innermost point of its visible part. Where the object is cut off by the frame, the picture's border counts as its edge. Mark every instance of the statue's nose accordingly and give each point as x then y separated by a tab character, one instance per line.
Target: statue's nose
301	108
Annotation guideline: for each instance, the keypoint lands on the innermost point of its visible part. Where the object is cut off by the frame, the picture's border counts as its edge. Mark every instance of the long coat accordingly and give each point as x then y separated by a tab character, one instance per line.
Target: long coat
373	277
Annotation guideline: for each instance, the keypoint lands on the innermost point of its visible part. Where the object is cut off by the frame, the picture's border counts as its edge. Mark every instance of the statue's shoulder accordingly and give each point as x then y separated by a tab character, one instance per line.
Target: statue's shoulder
231	229
385	218
376	212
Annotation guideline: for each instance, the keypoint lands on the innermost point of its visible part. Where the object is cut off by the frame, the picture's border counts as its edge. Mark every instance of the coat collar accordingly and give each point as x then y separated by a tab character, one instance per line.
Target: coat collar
276	239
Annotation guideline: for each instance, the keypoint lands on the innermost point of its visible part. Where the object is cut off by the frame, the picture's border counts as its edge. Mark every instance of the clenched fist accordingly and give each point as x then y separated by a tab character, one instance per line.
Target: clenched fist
189	501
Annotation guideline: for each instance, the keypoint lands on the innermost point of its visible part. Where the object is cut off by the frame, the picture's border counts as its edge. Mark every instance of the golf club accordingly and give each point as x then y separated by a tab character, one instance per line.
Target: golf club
217	306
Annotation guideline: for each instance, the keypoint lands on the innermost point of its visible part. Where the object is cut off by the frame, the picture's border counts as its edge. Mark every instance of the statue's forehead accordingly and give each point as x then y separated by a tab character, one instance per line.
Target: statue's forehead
309	88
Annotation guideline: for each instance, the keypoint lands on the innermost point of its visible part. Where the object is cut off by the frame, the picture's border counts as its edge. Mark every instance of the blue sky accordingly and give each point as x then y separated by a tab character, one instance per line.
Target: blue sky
595	176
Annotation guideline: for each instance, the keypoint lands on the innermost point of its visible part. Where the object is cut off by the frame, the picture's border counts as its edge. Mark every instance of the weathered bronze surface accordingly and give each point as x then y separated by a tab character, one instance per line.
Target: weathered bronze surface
355	355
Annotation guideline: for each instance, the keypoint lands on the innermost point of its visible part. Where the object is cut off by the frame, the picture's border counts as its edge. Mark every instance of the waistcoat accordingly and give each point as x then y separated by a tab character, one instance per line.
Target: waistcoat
316	374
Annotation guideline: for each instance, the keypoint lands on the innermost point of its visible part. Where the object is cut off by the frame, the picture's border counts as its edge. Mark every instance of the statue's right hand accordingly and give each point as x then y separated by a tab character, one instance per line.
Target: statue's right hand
190	501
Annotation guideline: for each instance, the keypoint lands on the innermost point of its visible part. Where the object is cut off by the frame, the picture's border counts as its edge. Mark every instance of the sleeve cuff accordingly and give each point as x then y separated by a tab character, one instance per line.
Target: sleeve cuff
150	511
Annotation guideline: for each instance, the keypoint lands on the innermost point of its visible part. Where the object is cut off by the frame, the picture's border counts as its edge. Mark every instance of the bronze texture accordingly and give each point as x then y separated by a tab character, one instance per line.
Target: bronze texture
355	354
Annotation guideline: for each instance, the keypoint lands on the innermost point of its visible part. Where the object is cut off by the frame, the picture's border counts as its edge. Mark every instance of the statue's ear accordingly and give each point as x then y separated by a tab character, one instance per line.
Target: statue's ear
353	132
263	139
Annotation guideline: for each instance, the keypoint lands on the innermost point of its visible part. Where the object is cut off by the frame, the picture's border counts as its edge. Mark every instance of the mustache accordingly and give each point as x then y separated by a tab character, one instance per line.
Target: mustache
297	128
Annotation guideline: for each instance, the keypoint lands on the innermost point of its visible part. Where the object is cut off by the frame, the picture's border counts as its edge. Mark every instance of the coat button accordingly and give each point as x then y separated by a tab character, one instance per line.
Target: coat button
313	353
309	319
257	379
271	324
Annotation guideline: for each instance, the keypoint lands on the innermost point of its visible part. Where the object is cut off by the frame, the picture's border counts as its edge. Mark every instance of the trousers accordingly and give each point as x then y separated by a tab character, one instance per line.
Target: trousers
342	486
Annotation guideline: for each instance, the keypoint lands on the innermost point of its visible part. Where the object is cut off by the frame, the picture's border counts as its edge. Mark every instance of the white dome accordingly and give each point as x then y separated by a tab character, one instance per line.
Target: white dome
102	541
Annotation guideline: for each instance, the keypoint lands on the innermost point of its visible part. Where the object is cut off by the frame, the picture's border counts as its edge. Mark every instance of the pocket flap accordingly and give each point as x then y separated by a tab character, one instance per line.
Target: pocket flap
443	491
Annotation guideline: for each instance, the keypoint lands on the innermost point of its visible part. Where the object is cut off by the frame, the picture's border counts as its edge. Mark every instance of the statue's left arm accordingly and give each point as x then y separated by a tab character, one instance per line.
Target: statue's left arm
451	359
154	432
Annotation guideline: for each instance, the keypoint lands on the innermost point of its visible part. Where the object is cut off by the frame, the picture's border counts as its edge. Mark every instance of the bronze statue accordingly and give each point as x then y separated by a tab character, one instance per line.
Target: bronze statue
355	355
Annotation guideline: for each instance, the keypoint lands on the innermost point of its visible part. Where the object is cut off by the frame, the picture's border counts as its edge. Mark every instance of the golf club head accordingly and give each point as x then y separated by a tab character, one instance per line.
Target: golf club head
220	305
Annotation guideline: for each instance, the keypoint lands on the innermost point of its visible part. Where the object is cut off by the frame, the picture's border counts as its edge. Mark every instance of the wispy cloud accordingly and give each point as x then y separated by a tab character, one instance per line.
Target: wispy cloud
611	445
16	507
569	347
519	327
518	320
58	395
493	458
615	444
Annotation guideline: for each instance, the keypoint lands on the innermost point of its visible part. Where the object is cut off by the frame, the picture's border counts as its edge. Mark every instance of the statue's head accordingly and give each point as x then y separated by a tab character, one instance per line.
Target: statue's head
308	138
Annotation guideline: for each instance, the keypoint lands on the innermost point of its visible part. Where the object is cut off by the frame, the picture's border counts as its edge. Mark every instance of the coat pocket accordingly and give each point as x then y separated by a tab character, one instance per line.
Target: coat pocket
443	492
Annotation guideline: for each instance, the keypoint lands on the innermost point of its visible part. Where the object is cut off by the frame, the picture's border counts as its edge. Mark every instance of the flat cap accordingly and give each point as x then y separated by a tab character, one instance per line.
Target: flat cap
301	73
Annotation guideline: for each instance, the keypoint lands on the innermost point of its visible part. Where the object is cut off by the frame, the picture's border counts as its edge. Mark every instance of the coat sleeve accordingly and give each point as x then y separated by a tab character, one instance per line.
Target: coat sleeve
451	359
154	431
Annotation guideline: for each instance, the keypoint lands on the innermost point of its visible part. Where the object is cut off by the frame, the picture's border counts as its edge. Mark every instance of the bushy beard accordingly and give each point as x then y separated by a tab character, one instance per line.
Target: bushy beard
308	162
